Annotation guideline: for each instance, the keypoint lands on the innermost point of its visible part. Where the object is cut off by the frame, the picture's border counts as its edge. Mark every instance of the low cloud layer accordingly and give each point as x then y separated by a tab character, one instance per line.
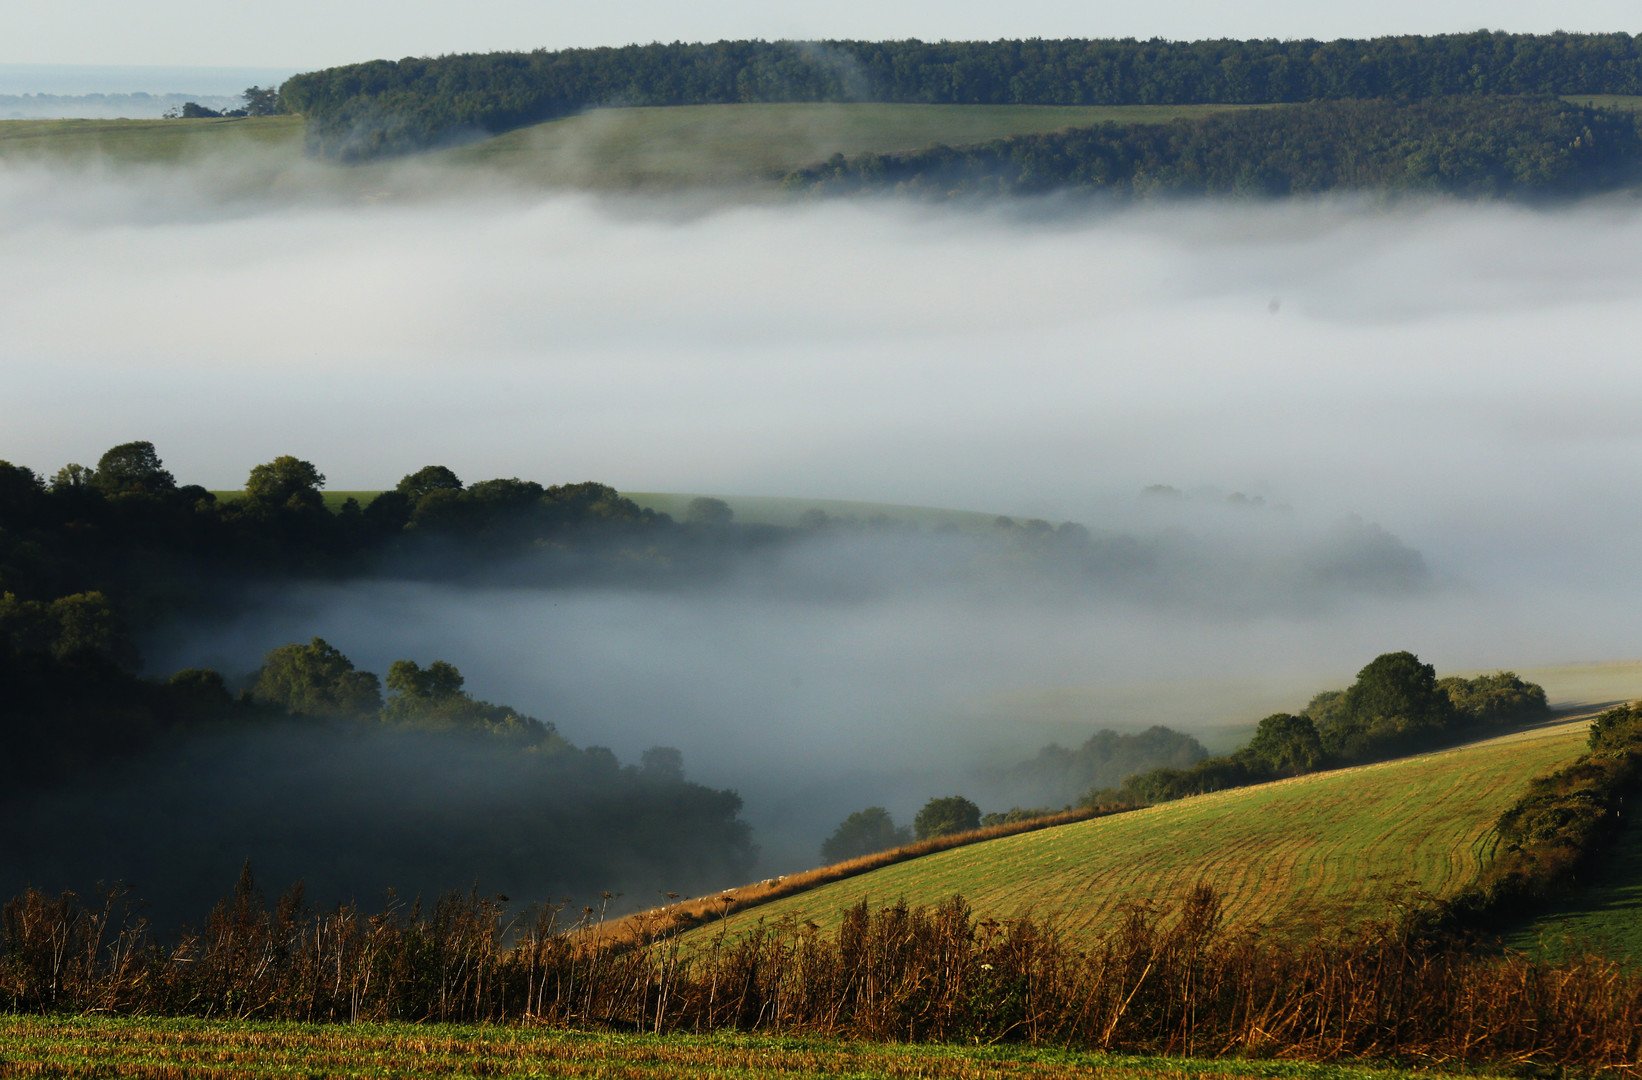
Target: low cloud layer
1459	377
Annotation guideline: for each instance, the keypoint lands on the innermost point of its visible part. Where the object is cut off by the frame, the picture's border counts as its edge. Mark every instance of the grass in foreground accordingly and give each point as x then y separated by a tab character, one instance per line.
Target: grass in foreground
103	1047
1330	849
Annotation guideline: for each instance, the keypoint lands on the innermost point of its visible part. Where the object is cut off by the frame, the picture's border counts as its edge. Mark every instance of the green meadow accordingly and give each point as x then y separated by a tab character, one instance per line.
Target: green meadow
1316	852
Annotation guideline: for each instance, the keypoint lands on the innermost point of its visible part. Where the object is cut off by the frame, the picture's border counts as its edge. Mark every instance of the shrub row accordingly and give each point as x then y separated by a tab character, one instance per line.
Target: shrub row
1161	983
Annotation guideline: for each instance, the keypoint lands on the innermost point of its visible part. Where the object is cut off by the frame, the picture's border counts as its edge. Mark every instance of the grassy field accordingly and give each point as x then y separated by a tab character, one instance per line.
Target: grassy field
1325	850
715	144
165	1049
146	142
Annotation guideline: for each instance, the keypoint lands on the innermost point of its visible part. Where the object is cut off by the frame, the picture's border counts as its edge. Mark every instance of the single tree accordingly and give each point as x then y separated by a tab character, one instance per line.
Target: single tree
705	510
261	100
947	815
863	833
316	680
1287	745
285	482
1394	705
133	468
427	478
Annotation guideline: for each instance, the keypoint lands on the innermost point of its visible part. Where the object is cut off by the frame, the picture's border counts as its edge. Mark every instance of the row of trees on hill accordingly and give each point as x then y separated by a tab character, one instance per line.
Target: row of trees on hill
362	110
158	549
1397	705
258	101
315	768
1474	146
873	829
127	529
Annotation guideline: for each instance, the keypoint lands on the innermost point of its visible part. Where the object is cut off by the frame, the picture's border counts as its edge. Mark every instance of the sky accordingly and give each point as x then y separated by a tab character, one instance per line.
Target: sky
304	34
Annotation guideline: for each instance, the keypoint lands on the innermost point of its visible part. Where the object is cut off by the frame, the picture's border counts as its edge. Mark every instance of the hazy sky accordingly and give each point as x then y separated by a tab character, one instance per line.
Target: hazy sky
313	33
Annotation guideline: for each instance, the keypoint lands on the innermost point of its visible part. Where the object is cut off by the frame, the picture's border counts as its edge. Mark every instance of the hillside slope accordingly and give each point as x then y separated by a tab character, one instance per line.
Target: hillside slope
714	144
1329	849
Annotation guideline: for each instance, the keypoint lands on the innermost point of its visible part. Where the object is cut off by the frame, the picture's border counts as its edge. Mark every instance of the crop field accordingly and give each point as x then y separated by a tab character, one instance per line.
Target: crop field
664	146
165	1049
1315	852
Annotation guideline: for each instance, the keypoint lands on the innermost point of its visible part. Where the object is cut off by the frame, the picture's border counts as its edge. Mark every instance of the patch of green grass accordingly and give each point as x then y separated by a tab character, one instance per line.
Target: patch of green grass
147	142
715	144
1603	917
154	1048
1326	850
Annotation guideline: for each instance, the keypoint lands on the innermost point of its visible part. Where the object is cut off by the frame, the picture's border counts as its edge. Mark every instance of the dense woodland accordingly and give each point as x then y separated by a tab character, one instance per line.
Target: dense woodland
316	769
1470	146
368	109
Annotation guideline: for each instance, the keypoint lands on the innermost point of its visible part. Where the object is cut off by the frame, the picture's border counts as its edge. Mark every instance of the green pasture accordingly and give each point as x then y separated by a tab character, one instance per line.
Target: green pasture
147	142
1316	852
157	1049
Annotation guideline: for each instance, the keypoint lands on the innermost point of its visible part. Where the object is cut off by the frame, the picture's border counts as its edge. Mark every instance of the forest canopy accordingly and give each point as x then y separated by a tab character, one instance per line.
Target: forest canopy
1470	146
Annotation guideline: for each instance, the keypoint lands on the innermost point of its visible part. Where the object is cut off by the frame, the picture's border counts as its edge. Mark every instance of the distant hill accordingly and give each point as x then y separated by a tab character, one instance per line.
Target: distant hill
1323	850
138	106
384	107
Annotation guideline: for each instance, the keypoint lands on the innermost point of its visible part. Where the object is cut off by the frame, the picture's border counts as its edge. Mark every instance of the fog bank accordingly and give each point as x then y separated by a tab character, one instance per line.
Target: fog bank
1459	377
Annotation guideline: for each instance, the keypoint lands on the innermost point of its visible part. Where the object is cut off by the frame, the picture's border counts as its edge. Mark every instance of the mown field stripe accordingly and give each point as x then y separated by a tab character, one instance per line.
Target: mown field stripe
150	1048
1328	849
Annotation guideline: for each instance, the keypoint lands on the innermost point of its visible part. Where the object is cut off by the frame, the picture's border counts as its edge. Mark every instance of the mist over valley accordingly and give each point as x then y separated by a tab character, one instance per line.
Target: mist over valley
1242	447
